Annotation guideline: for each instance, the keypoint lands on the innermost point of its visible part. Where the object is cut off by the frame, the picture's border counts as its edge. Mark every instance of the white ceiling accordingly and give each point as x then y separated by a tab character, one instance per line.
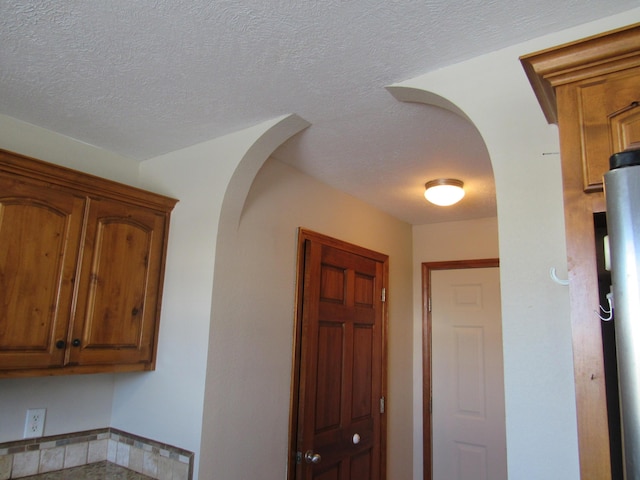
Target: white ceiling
143	78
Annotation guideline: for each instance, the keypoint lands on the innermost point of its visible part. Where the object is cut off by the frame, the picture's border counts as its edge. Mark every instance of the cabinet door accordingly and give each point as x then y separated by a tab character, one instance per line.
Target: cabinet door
120	281
40	231
607	122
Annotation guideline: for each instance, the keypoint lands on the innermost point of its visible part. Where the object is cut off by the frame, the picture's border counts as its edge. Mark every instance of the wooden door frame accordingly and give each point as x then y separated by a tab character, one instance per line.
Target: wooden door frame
427	422
303	236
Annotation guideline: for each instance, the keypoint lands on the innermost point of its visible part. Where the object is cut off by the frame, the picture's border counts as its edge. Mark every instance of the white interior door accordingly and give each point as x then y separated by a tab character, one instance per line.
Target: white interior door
467	375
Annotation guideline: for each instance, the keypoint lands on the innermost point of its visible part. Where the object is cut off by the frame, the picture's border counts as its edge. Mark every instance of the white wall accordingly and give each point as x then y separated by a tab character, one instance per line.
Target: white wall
468	240
438	242
73	403
251	352
495	95
36	142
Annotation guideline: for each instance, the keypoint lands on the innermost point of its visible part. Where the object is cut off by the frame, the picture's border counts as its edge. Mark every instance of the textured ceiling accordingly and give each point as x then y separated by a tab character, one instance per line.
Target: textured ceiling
142	78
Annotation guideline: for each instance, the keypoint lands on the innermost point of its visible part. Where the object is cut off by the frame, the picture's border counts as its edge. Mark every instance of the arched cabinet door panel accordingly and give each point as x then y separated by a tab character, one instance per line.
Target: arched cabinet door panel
624	125
118	288
39	237
607	119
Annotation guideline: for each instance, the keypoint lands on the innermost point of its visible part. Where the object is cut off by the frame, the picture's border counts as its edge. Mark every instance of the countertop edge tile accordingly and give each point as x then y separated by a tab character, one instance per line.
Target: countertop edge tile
93	471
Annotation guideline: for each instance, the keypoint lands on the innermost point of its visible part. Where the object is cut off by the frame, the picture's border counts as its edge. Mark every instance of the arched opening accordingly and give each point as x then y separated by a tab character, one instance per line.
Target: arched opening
448	251
251	337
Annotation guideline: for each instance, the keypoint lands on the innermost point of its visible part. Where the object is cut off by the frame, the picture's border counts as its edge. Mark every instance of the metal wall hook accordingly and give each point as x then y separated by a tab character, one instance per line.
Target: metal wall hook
554	277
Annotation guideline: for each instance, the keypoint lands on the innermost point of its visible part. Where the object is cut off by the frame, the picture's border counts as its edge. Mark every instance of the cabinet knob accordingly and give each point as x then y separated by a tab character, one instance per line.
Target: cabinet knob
60	344
76	342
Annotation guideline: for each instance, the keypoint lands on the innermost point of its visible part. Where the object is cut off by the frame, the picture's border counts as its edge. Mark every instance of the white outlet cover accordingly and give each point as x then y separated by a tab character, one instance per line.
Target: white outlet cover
34	422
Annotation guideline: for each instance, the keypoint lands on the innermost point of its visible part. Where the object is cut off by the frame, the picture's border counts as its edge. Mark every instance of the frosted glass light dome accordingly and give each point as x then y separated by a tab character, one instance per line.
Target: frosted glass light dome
444	191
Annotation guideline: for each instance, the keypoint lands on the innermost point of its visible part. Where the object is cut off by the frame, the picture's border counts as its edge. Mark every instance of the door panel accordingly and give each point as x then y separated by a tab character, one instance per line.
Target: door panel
115	317
469	361
361	465
329	376
362	359
40	229
341	361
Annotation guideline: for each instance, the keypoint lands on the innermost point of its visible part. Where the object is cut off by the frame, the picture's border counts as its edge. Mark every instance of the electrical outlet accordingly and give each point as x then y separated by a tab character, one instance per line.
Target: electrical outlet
34	424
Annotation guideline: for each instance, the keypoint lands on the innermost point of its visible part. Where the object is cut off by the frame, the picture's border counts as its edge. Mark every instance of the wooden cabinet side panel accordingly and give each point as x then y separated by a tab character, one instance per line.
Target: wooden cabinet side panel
591	403
119	287
40	231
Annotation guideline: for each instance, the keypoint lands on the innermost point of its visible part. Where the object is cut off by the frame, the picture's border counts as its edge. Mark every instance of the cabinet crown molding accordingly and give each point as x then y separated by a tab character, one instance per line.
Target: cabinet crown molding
86	183
591	57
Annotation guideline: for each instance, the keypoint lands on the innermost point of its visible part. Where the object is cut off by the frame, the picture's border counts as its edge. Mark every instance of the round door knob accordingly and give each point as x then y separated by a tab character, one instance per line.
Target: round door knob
311	457
76	342
356	439
60	344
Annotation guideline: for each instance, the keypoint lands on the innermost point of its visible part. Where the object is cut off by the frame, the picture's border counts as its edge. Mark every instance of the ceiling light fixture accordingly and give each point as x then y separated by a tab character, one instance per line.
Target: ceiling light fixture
444	191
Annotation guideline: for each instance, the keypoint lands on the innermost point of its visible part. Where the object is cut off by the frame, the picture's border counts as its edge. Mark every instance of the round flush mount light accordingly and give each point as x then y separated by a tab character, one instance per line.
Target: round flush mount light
444	191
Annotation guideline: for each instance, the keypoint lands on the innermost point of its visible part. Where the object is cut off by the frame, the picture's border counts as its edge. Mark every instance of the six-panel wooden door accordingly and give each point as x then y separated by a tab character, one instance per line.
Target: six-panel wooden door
341	383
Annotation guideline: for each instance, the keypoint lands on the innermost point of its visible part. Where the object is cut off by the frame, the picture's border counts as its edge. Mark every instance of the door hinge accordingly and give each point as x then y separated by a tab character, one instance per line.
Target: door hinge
429	304
381	404
384	295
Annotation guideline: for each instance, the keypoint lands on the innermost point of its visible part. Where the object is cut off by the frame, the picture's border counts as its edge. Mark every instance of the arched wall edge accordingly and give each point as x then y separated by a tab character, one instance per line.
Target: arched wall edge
418	95
410	94
280	130
250	164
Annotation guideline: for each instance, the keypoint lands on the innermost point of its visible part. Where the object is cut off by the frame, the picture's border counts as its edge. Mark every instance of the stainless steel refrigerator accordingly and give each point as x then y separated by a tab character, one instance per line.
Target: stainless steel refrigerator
622	193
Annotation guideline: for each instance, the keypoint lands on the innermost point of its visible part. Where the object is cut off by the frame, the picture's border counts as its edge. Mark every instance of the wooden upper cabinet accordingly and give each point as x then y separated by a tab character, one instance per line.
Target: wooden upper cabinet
81	271
599	77
591	89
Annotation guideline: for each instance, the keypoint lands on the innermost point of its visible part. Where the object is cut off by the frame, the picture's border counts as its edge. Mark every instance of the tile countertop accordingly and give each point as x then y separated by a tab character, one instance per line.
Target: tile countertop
92	471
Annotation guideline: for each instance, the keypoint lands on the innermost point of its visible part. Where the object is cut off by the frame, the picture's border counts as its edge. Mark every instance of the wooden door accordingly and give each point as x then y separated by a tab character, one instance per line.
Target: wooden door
119	285
340	428
40	230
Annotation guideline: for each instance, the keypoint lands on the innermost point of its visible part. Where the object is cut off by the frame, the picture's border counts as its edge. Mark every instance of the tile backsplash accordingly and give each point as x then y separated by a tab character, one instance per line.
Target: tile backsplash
47	454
